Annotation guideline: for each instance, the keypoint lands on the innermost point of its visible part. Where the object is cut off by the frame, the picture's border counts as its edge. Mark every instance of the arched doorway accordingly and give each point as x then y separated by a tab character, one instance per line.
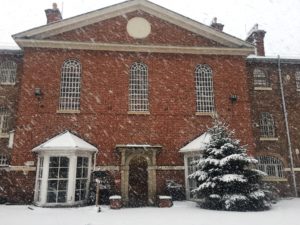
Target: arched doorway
138	182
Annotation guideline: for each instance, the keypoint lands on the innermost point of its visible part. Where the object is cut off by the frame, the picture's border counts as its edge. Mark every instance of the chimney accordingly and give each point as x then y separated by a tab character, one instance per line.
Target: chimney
53	14
256	37
217	26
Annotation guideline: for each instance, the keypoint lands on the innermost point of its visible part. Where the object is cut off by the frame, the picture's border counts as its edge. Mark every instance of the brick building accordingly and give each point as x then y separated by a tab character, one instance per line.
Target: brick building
124	89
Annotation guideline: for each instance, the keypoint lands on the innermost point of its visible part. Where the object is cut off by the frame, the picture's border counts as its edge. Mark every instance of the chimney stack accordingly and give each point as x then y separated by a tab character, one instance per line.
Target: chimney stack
217	26
53	14
256	37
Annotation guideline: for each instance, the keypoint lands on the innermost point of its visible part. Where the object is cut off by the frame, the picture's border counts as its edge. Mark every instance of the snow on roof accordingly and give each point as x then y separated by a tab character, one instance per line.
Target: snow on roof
274	59
197	144
65	141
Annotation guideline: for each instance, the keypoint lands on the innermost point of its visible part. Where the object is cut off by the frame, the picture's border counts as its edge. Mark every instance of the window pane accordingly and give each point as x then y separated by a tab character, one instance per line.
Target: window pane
79	161
52	185
64	162
63	185
85	162
62	196
54	162
53	172
51	197
63	173
79	172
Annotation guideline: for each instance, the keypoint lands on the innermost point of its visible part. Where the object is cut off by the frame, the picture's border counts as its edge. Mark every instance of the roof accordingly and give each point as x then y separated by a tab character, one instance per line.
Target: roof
51	29
197	144
274	59
65	141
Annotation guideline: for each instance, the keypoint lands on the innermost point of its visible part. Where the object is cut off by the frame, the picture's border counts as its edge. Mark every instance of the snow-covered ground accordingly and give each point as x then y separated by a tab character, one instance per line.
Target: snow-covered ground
182	213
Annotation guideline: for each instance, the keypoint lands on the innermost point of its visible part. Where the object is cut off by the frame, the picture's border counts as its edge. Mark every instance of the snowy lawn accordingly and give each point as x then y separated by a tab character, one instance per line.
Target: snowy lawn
182	213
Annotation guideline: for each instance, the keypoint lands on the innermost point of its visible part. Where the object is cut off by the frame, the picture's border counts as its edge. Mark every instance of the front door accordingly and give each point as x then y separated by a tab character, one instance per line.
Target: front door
138	182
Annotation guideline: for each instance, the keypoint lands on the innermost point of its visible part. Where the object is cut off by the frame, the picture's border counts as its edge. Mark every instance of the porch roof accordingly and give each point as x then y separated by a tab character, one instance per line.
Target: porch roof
65	141
197	144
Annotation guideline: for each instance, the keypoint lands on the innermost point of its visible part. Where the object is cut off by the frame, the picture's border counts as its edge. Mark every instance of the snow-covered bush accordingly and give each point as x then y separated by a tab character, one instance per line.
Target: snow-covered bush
226	178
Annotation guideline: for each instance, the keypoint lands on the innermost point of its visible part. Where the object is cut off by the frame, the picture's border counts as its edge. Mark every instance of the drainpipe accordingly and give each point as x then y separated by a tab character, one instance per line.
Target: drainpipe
287	127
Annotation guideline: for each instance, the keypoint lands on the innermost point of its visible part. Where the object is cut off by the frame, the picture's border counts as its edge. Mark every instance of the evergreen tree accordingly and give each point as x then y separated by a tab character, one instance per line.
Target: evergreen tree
226	176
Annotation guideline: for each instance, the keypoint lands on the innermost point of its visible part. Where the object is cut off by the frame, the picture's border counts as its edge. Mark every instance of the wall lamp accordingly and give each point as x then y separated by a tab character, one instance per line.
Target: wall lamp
233	98
38	93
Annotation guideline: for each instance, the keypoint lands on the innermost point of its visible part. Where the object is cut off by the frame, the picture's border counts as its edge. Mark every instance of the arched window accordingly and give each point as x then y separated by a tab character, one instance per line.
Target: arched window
138	88
297	76
267	126
260	78
70	86
270	165
204	89
8	71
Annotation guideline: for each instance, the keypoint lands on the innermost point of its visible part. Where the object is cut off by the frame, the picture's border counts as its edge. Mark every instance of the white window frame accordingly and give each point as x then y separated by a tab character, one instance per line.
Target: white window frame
57	190
270	165
4	121
138	88
42	189
70	86
260	78
204	89
297	78
39	178
8	72
188	170
82	179
3	160
267	125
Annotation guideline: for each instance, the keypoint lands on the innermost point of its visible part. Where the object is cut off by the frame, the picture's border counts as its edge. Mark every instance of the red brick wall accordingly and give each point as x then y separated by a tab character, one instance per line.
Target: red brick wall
114	31
17	187
9	96
104	121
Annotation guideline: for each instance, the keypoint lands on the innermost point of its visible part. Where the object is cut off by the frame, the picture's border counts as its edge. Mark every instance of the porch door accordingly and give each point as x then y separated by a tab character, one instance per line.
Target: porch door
138	182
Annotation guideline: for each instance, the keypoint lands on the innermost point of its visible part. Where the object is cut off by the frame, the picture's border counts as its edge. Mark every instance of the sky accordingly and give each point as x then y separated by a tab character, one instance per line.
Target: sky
279	18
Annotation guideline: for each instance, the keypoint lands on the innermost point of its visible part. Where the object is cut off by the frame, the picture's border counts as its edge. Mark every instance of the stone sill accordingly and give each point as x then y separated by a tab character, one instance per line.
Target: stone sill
212	114
297	169
138	113
67	111
277	179
262	88
268	139
4	135
7	84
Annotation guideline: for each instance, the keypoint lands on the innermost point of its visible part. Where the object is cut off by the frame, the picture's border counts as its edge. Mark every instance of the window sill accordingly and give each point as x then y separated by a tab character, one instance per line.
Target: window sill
138	113
4	135
298	89
262	88
277	179
212	114
7	84
67	111
268	139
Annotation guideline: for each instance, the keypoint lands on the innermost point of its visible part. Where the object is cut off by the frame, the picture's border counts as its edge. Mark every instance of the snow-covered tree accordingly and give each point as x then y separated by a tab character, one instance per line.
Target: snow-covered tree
226	176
